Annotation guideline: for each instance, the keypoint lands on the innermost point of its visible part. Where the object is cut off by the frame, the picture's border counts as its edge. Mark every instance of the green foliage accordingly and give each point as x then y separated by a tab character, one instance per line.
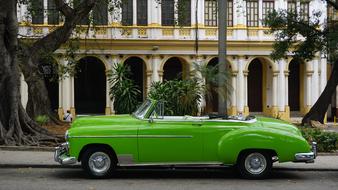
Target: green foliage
303	38
327	141
180	97
42	119
124	91
215	82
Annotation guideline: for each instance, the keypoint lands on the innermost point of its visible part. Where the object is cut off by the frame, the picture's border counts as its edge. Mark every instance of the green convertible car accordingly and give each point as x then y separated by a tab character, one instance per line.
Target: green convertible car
147	137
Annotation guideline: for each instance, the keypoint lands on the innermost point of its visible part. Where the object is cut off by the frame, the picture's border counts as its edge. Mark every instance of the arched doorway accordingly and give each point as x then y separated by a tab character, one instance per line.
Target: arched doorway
212	98
294	86
49	69
90	86
255	86
138	70
175	68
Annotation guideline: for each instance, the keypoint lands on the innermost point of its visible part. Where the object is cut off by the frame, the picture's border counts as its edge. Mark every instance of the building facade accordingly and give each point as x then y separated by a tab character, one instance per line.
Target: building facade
144	34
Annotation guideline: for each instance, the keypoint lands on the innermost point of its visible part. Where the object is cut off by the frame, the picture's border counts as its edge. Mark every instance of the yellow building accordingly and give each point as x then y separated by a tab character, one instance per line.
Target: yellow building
142	34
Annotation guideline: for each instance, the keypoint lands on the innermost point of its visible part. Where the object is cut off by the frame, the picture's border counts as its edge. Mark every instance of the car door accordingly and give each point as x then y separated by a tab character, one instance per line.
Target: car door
162	141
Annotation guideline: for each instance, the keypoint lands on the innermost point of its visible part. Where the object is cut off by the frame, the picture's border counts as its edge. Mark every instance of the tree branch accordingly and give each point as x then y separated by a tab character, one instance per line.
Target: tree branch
333	4
64	8
55	39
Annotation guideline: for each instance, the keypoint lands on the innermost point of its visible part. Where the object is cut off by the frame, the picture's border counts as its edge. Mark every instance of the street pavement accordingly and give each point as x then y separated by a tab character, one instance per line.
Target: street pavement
194	179
44	159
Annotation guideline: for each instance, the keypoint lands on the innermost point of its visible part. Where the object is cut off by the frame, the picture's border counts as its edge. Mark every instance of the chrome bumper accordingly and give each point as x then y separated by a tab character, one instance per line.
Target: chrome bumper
61	155
308	157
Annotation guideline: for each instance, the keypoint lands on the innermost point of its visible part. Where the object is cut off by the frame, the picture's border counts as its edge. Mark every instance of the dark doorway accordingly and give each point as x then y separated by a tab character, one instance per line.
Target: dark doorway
212	98
90	86
294	85
48	67
173	69
137	68
255	83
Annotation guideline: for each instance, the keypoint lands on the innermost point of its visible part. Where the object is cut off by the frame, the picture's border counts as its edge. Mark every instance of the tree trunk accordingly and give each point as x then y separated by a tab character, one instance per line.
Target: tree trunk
38	100
15	125
318	111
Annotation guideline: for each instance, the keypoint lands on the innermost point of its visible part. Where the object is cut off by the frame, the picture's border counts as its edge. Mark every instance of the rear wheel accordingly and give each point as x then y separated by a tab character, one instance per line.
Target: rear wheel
98	162
254	164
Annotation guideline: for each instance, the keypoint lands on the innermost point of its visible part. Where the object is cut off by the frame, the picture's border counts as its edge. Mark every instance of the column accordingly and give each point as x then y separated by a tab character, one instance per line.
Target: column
149	74
309	72
108	110
134	12
274	94
155	64
233	108
241	85
287	108
45	13
239	20
281	85
315	81
323	74
260	12
72	97
60	107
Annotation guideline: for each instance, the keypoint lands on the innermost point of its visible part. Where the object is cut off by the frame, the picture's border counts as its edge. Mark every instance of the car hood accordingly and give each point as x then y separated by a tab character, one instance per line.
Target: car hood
111	120
276	124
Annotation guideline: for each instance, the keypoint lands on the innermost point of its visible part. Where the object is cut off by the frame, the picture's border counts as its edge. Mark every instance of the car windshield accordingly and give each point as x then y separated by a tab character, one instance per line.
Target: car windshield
142	110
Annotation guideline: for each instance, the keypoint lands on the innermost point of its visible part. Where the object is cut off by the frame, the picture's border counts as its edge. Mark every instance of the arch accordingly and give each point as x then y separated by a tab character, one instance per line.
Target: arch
263	59
138	70
100	58
48	67
147	64
175	67
207	61
90	86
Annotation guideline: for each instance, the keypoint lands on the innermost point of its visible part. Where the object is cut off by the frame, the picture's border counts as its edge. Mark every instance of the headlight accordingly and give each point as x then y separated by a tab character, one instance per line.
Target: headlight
66	135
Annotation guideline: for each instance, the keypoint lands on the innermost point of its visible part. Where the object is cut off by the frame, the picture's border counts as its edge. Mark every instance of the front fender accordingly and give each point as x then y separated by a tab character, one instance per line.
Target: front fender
285	144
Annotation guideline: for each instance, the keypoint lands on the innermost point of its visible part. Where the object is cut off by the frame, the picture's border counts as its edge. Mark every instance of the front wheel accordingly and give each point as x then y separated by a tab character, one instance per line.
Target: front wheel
254	165
98	162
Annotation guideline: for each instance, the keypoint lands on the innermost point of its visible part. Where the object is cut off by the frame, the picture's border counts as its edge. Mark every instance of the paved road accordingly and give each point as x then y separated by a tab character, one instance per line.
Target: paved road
196	179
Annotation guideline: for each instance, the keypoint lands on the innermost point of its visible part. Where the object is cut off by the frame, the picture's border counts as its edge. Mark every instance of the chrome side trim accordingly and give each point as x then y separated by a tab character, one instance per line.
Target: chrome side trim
174	164
135	136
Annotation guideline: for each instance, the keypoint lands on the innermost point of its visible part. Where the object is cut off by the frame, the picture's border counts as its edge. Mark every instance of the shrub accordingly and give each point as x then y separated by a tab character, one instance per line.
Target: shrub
326	141
180	97
42	119
124	90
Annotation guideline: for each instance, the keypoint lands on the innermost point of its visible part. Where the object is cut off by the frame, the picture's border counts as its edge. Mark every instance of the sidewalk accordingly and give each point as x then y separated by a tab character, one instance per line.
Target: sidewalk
44	159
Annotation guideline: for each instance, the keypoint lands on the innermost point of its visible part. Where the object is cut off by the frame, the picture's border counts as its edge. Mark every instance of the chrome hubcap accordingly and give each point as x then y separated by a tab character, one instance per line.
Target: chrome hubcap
255	163
99	163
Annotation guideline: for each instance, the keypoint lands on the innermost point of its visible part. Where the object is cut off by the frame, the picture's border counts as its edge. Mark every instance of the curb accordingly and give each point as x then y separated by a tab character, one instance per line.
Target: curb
37	166
27	148
307	169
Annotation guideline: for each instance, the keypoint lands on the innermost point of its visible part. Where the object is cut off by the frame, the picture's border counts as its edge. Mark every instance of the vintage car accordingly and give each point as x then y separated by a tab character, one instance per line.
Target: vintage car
102	143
